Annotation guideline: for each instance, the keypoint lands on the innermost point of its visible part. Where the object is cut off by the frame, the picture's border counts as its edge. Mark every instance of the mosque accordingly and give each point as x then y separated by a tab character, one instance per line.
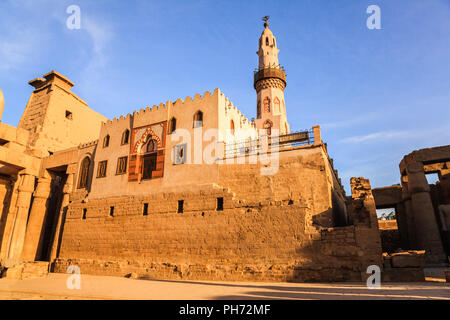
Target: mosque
189	189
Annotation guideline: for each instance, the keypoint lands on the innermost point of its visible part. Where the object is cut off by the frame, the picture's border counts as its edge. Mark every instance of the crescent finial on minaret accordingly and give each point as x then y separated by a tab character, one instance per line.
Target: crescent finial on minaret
266	19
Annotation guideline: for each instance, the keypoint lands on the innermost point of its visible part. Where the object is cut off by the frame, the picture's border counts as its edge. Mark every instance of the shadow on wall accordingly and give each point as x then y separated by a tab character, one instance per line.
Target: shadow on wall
53	210
336	216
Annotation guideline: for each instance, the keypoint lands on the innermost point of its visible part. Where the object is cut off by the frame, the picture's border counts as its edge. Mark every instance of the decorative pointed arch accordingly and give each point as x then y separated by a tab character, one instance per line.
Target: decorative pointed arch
198	119
125	137
172	125
84	173
276	103
258	110
266	103
268	126
141	144
106	141
232	127
147	152
151	146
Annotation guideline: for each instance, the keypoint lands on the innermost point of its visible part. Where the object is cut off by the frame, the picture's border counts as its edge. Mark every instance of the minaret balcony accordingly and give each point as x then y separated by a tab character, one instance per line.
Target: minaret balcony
270	72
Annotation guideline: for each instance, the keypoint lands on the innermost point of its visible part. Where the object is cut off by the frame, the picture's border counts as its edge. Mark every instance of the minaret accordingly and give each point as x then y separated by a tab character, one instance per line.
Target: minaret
270	81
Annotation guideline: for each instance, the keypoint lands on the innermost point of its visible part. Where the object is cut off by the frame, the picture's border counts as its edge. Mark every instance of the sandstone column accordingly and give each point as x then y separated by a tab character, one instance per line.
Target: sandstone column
409	215
427	232
402	225
25	190
8	222
36	219
67	190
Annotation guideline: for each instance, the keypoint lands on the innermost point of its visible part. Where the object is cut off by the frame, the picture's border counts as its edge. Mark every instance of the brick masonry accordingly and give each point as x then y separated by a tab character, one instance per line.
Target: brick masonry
257	236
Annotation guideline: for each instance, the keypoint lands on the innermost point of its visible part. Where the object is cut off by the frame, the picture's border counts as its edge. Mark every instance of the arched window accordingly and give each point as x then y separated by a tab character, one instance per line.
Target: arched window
106	141
84	173
267	104
232	127
267	41
126	137
172	125
268	126
152	146
198	119
149	159
258	110
276	102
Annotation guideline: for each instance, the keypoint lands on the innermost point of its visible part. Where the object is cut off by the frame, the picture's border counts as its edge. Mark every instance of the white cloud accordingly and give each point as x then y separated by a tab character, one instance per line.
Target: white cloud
419	134
101	35
383	135
18	44
352	121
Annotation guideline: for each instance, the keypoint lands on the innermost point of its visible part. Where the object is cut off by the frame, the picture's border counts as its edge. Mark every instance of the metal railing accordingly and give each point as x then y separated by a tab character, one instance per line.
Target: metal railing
266	144
270	72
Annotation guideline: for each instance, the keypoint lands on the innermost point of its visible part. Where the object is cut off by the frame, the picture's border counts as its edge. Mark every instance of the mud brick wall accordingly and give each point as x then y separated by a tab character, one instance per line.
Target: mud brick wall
304	176
268	243
269	230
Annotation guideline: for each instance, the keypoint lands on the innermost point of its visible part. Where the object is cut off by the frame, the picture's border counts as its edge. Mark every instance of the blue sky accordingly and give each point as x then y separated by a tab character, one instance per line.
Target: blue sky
377	94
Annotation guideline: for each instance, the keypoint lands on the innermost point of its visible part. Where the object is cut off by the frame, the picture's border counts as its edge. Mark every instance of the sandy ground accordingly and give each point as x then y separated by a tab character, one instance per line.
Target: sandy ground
54	287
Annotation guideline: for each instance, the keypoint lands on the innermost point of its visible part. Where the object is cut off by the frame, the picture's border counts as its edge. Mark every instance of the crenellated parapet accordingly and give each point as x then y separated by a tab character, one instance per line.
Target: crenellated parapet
88	145
163	109
116	121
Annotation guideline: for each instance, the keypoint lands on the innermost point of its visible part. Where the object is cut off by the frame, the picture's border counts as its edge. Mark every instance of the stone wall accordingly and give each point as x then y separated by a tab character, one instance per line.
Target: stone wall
390	235
270	242
272	228
56	118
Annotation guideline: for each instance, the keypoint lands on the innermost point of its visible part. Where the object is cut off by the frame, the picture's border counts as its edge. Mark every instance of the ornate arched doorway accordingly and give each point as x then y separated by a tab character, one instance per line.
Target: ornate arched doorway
147	152
149	158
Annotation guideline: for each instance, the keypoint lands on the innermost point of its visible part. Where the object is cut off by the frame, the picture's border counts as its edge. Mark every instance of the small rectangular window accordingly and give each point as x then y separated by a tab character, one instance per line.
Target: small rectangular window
179	154
69	115
111	211
219	204
101	170
145	211
180	206
122	165
84	213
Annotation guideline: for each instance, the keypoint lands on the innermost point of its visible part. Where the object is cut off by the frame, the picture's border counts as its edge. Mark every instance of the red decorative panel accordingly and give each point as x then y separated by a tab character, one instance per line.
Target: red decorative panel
132	169
139	137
